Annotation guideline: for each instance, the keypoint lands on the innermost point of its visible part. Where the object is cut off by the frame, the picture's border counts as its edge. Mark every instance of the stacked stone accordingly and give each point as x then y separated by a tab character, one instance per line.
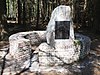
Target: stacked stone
53	53
21	54
46	55
21	49
65	52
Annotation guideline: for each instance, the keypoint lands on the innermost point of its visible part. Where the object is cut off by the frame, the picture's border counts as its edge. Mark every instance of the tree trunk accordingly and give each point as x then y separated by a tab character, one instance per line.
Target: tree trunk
97	16
37	24
19	11
24	13
3	11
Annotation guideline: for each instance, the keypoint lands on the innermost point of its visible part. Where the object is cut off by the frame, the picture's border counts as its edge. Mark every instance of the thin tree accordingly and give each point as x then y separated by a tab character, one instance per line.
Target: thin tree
38	16
19	11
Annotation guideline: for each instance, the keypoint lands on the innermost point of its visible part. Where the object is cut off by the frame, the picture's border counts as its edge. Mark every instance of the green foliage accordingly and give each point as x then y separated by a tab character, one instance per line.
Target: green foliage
77	42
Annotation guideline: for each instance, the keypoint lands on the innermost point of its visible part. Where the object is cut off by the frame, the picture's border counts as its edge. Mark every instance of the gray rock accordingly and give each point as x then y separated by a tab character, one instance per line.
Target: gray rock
85	43
63	51
20	49
60	13
51	54
34	38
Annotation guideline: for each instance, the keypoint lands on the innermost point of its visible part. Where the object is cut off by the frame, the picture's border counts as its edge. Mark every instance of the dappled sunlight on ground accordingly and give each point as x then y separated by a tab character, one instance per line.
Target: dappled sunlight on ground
90	65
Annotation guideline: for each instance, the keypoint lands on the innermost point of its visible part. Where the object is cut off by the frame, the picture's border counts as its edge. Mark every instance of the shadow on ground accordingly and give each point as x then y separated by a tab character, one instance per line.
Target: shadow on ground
90	65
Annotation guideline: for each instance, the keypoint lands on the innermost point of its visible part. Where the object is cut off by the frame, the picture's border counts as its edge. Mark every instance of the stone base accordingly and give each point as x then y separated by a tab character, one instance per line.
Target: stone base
58	56
20	52
45	58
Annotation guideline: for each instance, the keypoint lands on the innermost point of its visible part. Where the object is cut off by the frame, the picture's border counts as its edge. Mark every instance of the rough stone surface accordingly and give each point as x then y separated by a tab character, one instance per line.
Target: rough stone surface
53	56
21	48
35	37
60	13
65	50
86	66
63	53
85	43
46	55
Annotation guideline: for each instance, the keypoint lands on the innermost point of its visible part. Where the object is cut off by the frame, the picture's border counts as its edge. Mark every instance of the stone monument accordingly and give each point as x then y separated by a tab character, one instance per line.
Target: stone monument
56	46
60	38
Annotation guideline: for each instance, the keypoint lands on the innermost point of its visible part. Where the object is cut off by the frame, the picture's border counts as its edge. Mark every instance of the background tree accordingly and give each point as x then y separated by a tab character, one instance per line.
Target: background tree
23	15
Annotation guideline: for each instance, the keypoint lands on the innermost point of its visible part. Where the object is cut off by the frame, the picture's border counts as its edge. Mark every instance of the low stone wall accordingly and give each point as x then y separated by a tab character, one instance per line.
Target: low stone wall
44	56
33	37
20	54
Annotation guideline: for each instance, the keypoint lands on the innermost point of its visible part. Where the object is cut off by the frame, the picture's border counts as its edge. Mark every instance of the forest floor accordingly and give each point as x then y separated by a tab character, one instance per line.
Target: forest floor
90	65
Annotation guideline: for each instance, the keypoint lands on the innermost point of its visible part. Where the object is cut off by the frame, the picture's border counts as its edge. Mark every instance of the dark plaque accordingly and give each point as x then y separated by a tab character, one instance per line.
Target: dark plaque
62	29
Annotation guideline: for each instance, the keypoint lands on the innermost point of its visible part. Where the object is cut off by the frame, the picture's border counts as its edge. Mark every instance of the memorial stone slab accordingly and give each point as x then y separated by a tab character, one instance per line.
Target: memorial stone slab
56	46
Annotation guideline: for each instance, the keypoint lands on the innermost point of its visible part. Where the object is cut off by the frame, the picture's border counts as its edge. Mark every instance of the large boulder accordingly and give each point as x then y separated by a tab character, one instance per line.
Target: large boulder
21	48
35	38
60	13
